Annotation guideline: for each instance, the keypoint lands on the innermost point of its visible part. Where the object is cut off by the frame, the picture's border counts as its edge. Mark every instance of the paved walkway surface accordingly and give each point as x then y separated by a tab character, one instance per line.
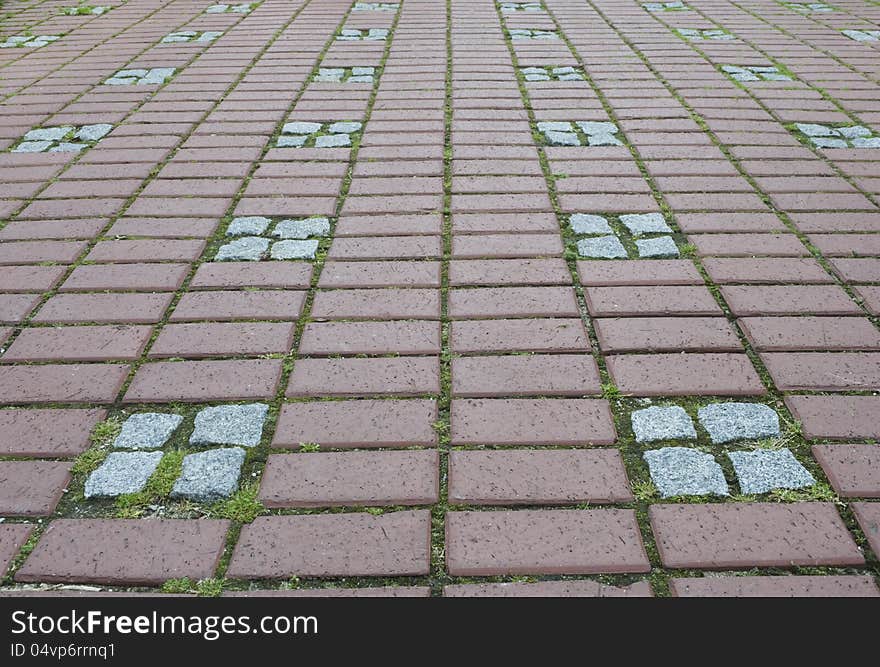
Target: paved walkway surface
561	297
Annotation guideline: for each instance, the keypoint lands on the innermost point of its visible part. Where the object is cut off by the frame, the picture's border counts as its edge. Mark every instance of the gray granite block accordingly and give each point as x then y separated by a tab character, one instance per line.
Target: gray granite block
604	140
147	430
645	223
93	132
726	422
207	477
659	247
333	141
292	141
251	225
300	127
583	223
122	472
294	249
602	247
662	423
302	229
597	127
863	142
344	127
230	425
852	131
680	471
763	470
554	126
814	130
48	133
822	142
32	146
562	138
244	249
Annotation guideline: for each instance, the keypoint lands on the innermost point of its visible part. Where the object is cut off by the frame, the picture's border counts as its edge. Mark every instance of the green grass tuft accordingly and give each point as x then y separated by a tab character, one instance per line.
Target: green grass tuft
243	506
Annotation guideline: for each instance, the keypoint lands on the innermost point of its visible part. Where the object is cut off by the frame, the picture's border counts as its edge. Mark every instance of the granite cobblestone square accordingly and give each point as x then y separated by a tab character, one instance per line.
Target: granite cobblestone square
62	139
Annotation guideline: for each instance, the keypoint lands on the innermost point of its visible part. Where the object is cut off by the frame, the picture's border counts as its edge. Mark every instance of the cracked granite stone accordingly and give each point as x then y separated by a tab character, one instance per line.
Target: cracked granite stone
207	477
763	470
645	223
230	425
122	472
681	471
251	225
602	247
662	423
243	249
582	223
302	229
294	249
726	422
655	248
147	430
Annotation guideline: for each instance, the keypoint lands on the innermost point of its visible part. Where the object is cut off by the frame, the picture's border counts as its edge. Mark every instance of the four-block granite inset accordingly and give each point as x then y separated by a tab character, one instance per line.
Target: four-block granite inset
567	73
755	73
254	238
604	241
682	471
62	139
345	75
302	134
843	136
141	77
191	36
28	41
714	34
205	477
579	133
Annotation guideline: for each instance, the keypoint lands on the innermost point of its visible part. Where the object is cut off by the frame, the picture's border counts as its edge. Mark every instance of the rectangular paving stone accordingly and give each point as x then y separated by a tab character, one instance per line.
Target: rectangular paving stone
208	339
857	269
62	383
30	278
380	274
12	539
32	488
774	334
523	375
635	272
34	252
551	271
549	589
539	421
392	337
227	380
353	377
246	305
377	304
868	516
128	277
765	270
823	371
548	477
788	300
488	302
836	417
91	343
129	552
666	334
122	308
360	423
749	245
47	432
853	470
528	335
320	545
650	300
267	275
774	587
743	535
686	374
544	542
329	479
16	307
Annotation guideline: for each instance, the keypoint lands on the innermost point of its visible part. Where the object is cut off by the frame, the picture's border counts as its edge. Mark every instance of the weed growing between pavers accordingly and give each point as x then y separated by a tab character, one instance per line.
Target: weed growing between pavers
61	139
191	36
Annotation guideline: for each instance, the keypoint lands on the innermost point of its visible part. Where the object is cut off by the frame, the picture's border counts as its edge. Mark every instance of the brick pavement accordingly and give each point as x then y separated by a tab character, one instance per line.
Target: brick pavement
427	259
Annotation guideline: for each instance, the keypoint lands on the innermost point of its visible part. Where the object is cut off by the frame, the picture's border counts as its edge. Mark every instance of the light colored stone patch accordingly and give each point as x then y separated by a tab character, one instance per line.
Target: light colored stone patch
300	127
693	35
554	126
85	11
147	430
241	8
28	41
597	127
602	247
251	225
375	7
645	223
207	477
848	136
294	249
67	147
511	7
332	141
726	422
141	77
533	34
662	423
603	140
191	36
122	472
302	229
562	138
244	249
810	7
364	34
33	146
319	135
230	425
657	248
655	7
763	470
60	139
49	133
93	132
291	141
680	471
345	127
863	35
582	223
345	75
747	74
